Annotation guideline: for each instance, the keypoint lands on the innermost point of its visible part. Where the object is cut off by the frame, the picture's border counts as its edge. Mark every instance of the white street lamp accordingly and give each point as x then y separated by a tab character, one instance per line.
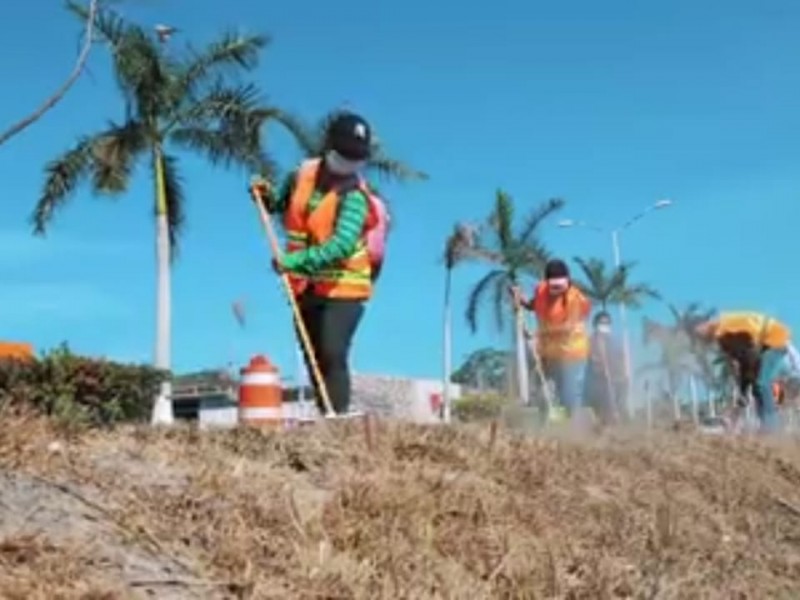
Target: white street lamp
615	249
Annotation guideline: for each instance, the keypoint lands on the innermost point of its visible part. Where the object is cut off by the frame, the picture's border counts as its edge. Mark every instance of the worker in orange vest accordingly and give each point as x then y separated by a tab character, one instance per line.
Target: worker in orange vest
761	350
561	340
329	212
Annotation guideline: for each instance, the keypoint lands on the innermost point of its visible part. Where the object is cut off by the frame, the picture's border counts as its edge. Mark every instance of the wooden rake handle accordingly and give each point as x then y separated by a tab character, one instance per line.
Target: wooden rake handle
258	194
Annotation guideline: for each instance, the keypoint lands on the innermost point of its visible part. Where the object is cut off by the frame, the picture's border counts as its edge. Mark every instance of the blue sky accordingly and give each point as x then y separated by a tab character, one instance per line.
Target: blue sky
611	105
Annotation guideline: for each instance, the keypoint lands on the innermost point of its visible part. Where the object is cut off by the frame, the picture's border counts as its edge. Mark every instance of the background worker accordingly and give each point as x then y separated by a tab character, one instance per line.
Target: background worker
327	215
759	346
561	341
606	380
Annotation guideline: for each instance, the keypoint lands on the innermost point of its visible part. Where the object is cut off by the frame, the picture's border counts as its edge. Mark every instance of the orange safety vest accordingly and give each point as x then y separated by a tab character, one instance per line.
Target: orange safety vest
763	330
350	278
562	332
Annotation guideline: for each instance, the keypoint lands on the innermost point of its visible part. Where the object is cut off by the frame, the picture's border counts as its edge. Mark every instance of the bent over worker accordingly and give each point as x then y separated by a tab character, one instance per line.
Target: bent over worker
326	217
561	310
760	348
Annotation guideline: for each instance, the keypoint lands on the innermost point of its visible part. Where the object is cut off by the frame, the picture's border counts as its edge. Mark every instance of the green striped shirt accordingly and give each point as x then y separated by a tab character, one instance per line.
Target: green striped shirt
352	215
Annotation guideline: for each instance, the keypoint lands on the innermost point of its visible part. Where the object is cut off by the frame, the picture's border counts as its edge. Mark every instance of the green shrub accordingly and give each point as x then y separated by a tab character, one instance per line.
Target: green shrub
479	407
80	390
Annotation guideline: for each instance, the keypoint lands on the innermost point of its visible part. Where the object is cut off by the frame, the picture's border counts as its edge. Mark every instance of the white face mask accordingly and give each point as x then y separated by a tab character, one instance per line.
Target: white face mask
557	285
339	165
603	329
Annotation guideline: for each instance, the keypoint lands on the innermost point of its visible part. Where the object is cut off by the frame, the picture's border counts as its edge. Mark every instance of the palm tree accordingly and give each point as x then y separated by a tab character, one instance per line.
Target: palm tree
676	359
457	247
690	316
709	369
611	286
171	103
682	358
311	139
512	252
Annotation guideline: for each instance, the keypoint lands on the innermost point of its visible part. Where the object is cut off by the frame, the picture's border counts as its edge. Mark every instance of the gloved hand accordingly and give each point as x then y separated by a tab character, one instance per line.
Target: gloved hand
261	190
277	266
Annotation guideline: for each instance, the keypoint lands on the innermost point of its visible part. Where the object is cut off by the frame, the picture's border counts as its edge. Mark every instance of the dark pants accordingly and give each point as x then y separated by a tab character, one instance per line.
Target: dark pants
331	324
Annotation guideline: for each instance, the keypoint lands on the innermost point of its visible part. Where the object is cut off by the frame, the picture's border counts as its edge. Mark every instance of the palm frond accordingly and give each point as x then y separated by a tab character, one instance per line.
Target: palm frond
62	177
114	154
478	295
304	136
459	244
596	284
111	26
633	296
501	220
393	169
538	216
224	126
618	279
143	76
139	67
134	56
530	259
232	50
176	216
222	147
238	104
524	259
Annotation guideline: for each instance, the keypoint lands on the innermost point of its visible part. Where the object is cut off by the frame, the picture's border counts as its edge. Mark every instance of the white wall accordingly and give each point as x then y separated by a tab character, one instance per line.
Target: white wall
422	409
216	413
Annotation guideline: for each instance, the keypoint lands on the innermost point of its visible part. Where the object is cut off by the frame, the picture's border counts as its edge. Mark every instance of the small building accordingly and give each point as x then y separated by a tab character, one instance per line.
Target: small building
209	398
403	398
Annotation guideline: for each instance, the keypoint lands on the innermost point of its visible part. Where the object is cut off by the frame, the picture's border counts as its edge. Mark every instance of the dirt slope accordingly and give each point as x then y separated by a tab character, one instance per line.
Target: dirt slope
426	513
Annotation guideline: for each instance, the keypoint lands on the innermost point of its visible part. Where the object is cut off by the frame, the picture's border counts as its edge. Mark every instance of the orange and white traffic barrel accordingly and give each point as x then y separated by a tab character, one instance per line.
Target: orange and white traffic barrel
260	394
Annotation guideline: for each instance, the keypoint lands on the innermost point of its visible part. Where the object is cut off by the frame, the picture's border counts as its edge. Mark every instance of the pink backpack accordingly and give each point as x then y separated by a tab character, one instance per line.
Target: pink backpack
378	230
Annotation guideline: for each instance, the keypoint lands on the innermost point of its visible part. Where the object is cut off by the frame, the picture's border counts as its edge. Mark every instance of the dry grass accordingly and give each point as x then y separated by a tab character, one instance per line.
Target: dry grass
427	512
32	568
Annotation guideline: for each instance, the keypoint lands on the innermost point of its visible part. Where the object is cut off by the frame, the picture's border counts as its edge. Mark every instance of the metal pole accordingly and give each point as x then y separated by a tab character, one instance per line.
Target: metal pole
522	359
623	319
695	400
447	358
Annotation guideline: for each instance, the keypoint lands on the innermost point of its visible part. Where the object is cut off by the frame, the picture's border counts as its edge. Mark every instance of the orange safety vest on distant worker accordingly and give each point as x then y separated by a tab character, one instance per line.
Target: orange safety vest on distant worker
562	332
763	330
349	279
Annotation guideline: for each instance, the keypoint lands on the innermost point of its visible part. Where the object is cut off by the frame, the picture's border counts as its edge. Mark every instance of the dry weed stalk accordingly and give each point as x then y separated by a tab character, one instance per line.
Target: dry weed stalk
430	512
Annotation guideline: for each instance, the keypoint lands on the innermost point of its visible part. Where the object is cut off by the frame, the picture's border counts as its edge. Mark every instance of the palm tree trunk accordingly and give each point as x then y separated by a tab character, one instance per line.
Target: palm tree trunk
523	383
447	347
162	407
673	393
695	399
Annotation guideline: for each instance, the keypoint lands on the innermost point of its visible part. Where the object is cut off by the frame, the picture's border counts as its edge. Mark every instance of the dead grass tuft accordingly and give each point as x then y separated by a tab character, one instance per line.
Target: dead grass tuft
434	512
33	568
